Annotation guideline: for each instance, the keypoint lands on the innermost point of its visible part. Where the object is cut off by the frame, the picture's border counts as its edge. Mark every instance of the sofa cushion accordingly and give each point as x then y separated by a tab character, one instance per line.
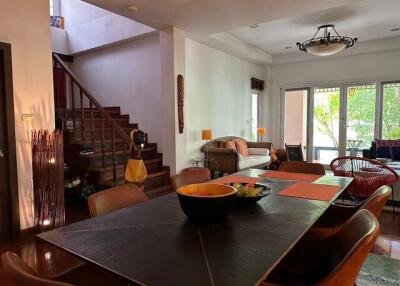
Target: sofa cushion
386	143
230	145
258	151
252	161
383	152
241	147
395	153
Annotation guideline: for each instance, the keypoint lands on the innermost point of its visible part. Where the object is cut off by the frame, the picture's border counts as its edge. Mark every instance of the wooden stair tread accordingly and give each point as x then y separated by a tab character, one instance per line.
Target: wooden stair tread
150	176
99	154
97	141
97	129
88	119
108	168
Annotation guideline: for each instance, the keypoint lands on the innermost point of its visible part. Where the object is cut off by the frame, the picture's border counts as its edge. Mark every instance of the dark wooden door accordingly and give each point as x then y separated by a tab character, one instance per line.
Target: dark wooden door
9	214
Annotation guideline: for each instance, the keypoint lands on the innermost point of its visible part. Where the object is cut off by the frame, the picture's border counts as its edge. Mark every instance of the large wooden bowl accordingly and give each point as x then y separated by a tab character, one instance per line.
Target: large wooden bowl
206	201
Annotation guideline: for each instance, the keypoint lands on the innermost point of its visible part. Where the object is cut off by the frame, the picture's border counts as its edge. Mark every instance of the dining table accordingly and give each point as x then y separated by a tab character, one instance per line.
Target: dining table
154	243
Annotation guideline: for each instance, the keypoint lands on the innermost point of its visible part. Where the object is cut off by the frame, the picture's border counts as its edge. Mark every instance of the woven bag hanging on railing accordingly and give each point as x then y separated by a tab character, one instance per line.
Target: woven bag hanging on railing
135	171
48	179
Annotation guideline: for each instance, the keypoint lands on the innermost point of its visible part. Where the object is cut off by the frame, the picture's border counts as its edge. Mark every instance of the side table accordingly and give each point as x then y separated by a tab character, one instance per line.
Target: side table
206	162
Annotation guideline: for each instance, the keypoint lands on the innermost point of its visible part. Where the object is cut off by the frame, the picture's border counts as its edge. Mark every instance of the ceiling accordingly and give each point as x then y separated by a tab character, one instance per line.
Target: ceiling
224	24
366	20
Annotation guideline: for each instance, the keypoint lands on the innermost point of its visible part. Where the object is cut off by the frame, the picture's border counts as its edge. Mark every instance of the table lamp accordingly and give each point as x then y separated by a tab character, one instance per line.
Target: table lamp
261	133
207	136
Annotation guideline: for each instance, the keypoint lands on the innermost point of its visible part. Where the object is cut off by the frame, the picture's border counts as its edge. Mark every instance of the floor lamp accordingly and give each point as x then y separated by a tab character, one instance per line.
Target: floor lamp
207	136
261	133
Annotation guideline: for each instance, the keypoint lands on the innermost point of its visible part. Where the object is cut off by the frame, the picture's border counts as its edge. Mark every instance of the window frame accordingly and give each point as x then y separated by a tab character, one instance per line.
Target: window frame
258	93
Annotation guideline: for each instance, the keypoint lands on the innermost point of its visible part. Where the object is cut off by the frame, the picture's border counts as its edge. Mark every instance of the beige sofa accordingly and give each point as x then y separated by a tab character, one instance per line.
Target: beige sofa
229	161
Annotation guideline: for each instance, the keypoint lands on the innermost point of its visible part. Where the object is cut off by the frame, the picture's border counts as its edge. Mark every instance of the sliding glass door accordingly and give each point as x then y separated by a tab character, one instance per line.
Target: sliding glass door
326	124
391	110
334	121
360	118
295	118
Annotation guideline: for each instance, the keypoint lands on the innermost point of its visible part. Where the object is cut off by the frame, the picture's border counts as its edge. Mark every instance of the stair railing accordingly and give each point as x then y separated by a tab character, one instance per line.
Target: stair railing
116	130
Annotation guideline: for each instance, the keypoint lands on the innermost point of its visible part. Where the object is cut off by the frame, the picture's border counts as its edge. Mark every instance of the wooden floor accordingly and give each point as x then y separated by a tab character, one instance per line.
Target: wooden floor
49	261
388	242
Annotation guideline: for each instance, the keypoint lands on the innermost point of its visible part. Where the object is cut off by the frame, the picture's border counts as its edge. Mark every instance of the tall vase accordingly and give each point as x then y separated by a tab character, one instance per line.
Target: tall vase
48	179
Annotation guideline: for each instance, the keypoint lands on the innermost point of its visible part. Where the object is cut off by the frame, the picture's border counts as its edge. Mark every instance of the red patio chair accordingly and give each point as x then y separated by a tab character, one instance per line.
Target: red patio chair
368	174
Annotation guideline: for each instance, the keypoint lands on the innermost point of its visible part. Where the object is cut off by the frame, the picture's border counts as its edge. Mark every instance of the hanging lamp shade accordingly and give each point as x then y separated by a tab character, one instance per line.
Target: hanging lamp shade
326	41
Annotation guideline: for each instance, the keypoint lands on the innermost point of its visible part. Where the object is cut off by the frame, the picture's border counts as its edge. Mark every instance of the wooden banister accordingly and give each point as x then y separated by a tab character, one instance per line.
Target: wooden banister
117	132
121	133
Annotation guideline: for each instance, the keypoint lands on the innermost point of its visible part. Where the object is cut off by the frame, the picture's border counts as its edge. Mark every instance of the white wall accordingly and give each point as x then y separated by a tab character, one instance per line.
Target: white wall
127	75
89	27
26	25
59	41
218	94
348	69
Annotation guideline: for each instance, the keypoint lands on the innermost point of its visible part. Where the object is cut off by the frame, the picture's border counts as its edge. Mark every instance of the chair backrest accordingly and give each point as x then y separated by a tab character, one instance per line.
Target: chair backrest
368	174
191	176
115	198
294	152
21	274
302	167
377	201
353	242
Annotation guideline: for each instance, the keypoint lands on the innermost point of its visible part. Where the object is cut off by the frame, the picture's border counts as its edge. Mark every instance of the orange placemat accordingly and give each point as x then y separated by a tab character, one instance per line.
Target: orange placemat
291	176
311	191
236	179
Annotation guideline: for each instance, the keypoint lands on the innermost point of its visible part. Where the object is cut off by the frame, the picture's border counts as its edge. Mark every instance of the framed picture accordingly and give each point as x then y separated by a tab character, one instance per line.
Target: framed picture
57	22
294	152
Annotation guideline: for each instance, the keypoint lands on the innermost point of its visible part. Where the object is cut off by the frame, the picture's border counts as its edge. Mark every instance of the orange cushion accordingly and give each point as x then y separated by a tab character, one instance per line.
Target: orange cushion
241	147
230	145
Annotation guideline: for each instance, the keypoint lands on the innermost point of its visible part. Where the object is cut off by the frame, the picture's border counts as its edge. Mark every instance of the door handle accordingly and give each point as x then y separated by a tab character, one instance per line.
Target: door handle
1	153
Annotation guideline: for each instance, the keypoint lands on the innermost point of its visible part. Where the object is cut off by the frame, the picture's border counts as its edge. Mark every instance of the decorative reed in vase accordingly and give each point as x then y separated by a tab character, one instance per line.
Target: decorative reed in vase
48	179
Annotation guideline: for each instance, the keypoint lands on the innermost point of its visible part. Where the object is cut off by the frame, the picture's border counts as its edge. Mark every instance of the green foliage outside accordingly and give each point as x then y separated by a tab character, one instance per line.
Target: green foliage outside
391	113
361	114
326	114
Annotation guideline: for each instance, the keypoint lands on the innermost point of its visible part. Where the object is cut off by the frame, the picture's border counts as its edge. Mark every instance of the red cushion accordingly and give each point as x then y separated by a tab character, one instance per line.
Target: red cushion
386	142
241	147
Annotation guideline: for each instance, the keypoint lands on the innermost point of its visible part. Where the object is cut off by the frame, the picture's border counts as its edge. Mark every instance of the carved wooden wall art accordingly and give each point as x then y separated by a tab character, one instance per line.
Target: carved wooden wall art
181	99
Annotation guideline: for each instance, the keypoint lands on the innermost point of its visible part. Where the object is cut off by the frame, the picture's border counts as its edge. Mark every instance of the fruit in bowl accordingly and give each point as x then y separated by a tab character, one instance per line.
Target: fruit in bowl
249	192
206	201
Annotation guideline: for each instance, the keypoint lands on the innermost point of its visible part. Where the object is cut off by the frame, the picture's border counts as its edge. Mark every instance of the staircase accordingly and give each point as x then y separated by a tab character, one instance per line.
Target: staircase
85	122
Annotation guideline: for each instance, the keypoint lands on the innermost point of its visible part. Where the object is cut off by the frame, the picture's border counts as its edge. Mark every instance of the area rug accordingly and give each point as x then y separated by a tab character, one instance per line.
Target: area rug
366	279
379	270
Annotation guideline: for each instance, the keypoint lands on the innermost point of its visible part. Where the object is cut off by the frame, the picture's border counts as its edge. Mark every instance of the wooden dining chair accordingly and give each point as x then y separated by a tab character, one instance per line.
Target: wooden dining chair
336	215
191	175
115	198
331	262
302	167
21	274
294	152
